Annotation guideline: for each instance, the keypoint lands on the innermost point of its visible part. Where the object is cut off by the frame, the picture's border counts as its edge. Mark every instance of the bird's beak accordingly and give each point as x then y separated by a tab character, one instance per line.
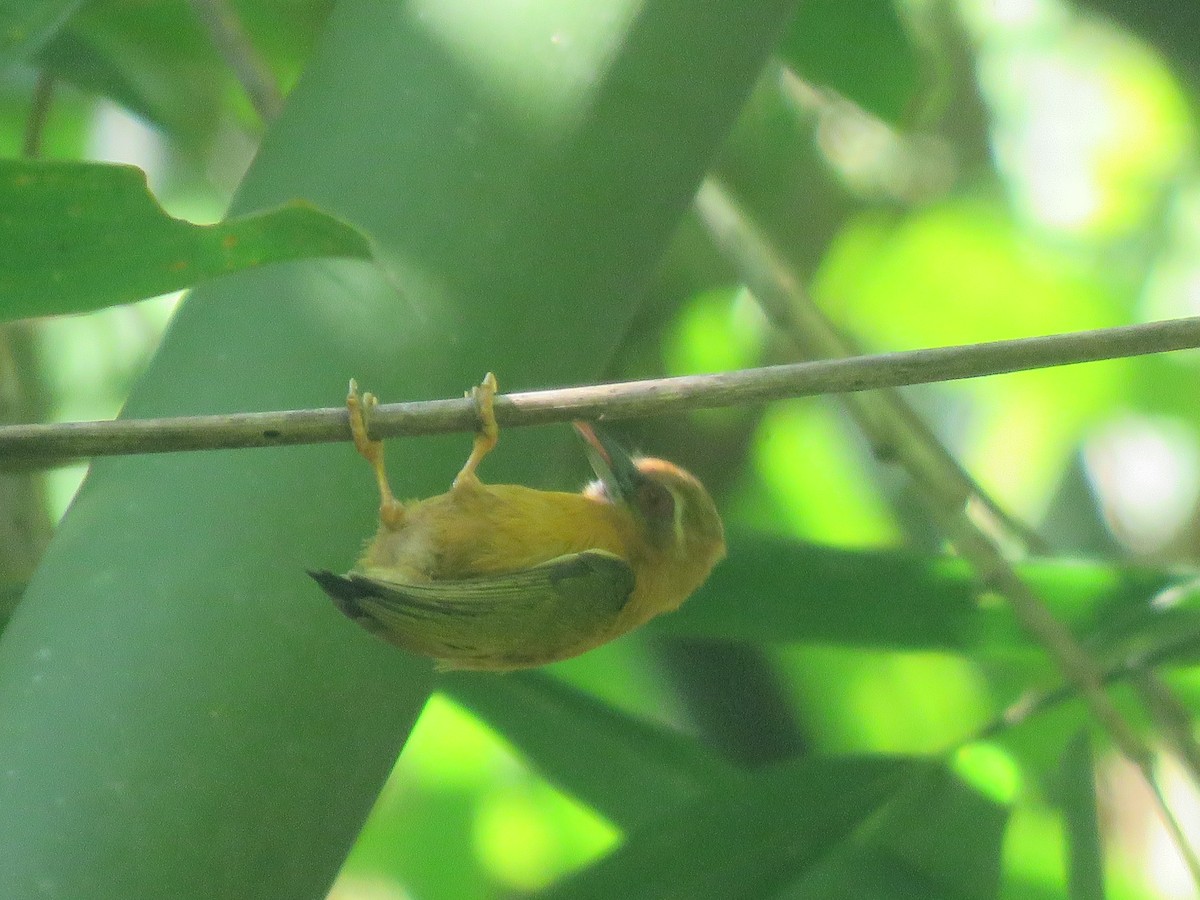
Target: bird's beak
611	462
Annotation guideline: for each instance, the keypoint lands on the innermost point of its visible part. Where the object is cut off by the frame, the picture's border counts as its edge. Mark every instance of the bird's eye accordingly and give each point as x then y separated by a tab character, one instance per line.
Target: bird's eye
656	501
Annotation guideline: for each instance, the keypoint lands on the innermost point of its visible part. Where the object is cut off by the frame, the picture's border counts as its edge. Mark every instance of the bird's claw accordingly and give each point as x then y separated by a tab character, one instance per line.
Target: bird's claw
488	433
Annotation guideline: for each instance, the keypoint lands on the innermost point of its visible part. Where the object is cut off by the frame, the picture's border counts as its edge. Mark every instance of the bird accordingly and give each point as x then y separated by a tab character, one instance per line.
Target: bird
500	577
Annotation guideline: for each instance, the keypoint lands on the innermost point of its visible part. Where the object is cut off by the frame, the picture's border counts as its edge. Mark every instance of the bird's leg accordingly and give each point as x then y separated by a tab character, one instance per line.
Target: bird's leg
488	433
391	510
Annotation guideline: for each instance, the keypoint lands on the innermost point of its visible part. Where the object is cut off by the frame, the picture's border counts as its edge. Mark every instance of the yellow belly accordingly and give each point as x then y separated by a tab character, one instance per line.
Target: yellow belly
479	529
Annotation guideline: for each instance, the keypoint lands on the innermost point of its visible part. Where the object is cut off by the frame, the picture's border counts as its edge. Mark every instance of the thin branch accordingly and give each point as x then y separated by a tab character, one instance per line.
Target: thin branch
1175	830
1175	720
1173	649
45	445
231	41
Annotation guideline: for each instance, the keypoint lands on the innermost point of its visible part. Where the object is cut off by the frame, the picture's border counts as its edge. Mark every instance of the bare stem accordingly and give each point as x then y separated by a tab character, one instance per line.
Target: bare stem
39	113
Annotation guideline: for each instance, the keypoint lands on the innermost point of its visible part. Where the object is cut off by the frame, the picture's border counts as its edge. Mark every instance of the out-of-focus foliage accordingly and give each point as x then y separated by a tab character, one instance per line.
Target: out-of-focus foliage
849	46
824	718
24	27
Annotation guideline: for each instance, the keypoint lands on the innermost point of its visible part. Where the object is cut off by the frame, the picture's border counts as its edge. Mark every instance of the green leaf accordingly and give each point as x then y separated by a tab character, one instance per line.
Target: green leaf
176	85
859	48
775	590
749	840
940	838
11	591
631	769
158	61
75	237
1075	791
27	24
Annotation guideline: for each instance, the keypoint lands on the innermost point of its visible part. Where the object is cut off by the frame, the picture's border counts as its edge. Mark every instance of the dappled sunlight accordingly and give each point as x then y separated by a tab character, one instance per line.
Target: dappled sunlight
990	769
873	701
506	827
820	489
1146	475
959	272
719	331
495	60
1089	130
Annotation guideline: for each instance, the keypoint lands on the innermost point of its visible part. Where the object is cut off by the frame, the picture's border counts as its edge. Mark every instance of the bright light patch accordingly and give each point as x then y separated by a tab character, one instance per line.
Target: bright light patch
451	748
1185	803
365	887
1140	840
118	136
1173	288
534	85
990	770
515	841
876	701
1035	849
1147	476
1068	119
1015	13
527	835
1004	15
1090	128
823	493
717	331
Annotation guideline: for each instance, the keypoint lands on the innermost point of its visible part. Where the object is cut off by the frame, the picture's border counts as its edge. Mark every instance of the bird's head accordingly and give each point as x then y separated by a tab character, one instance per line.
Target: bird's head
673	513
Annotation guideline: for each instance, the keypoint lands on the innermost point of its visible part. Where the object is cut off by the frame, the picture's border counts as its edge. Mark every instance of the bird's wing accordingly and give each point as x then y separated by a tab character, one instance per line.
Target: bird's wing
508	620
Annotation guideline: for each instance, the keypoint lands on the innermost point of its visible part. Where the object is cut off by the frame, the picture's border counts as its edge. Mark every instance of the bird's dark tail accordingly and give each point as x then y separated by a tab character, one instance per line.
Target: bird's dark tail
344	592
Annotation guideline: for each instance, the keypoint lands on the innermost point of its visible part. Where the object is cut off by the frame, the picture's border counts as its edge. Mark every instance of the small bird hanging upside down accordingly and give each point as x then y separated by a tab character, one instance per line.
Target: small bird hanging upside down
498	577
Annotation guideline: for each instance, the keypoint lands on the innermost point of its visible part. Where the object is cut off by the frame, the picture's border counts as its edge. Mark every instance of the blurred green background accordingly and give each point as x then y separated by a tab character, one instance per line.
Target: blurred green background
936	173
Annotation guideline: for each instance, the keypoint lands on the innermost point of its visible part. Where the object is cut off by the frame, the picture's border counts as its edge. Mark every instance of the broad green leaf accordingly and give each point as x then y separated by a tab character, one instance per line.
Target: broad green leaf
75	237
860	48
940	838
212	725
631	771
10	596
749	840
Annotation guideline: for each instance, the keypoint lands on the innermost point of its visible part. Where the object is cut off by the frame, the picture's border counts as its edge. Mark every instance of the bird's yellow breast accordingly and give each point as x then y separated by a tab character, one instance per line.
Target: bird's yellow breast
479	529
